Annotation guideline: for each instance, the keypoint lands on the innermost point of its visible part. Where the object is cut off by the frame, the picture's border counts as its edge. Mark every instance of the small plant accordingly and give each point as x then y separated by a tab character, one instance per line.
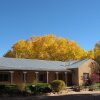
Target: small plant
76	88
57	85
91	88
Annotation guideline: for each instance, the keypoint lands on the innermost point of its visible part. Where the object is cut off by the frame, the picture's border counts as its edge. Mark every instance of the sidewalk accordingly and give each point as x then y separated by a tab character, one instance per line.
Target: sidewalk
73	93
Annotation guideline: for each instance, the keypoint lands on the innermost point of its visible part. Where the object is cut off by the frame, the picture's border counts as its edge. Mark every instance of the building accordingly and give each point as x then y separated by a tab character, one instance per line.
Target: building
17	70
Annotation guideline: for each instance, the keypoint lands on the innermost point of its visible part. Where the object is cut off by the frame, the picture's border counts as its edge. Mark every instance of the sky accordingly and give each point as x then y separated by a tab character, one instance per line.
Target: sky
77	20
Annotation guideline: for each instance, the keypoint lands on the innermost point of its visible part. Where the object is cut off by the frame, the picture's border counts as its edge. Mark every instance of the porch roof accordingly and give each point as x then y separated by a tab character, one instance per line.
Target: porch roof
38	65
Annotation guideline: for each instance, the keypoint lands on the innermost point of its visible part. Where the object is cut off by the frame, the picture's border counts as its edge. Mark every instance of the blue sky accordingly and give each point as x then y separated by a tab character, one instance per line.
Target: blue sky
78	20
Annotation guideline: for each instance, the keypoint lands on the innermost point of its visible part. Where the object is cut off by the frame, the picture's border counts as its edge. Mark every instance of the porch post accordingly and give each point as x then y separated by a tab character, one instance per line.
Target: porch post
24	76
57	75
36	73
47	76
11	73
66	78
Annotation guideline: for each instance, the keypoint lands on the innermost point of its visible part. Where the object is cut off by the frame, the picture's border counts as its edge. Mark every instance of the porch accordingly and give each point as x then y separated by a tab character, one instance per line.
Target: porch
17	76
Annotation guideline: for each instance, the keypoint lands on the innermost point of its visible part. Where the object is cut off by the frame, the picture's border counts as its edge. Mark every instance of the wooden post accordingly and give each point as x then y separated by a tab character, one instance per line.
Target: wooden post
57	76
47	76
66	78
11	81
24	76
36	76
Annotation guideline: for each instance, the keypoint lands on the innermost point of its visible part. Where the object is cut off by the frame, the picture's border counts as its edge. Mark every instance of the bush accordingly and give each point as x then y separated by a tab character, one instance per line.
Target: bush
2	86
9	90
77	88
91	88
40	88
22	86
58	85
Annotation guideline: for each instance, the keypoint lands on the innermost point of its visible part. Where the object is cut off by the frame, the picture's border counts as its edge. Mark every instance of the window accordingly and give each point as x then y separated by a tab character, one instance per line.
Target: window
42	77
4	77
85	76
61	76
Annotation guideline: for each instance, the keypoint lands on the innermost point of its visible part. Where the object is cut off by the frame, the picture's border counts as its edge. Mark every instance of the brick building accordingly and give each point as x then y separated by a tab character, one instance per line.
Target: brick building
17	70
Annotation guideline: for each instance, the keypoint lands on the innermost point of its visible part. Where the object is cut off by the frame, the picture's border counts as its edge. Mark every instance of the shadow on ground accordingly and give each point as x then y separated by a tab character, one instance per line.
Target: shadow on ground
65	97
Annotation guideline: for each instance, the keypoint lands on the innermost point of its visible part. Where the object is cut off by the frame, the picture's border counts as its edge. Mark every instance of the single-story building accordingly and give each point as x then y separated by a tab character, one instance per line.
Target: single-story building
18	70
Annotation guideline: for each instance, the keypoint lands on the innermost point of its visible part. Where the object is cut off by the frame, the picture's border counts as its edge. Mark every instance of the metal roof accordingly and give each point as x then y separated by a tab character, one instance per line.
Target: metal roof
38	65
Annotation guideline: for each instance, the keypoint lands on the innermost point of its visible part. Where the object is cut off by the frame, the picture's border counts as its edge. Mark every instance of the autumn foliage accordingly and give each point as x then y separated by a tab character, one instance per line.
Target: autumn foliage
48	47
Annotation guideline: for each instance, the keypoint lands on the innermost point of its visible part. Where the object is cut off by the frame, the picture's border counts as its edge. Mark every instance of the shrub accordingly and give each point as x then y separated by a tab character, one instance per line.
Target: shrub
91	88
9	90
2	86
40	88
58	85
22	86
77	88
43	85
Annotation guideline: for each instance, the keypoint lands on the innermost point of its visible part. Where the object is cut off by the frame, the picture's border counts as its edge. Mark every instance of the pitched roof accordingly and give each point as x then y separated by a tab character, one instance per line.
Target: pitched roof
38	65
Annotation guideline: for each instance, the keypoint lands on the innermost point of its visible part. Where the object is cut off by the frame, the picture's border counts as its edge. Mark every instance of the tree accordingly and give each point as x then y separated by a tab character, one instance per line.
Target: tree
90	54
21	49
97	52
47	47
10	54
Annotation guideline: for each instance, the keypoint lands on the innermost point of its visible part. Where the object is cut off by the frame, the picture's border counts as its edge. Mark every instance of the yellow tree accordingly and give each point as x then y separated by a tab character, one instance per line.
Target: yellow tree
90	54
47	47
97	52
41	44
22	49
58	49
9	54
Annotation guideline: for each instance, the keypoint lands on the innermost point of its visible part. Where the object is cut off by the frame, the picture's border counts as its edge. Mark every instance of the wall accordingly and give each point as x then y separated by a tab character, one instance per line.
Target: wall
75	79
85	68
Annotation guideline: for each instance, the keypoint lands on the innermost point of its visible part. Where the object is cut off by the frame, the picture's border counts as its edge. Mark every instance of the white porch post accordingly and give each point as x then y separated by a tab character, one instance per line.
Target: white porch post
24	76
47	76
11	72
66	78
36	75
57	75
